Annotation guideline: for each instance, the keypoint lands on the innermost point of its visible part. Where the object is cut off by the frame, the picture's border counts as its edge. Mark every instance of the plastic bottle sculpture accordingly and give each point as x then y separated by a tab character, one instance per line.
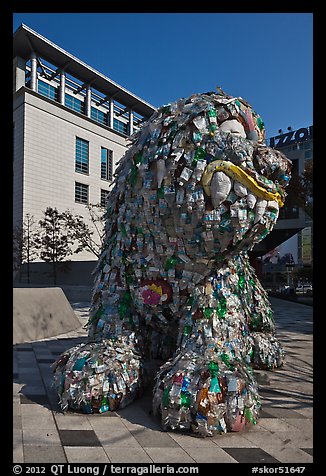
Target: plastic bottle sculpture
196	190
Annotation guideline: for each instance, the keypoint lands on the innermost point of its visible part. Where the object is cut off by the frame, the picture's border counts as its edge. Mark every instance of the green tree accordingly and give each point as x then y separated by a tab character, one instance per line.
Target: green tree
87	239
25	244
55	239
17	241
304	274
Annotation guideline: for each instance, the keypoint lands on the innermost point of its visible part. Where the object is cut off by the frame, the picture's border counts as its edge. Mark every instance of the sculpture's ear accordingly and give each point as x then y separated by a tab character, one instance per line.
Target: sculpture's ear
272	164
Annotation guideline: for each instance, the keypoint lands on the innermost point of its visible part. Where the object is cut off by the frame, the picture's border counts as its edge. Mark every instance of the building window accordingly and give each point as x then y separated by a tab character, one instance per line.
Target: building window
81	193
74	103
106	164
104	197
46	90
97	115
82	155
120	126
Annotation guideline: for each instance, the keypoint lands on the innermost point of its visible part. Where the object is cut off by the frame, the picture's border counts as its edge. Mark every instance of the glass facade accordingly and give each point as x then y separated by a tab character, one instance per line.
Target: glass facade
74	103
106	164
81	193
46	90
97	115
120	126
82	156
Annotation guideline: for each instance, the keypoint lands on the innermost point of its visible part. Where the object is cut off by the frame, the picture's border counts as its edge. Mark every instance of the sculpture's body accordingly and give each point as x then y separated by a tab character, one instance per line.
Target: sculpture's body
196	190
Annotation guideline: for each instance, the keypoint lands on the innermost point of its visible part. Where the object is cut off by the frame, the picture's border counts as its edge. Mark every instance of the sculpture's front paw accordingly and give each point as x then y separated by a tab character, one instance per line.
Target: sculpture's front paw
98	376
205	396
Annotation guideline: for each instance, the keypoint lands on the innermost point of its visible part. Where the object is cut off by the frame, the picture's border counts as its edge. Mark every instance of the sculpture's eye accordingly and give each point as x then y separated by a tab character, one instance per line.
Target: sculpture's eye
233	127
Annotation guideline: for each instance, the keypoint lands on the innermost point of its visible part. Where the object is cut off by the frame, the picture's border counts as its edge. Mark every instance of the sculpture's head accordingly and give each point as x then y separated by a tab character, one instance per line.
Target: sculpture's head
201	172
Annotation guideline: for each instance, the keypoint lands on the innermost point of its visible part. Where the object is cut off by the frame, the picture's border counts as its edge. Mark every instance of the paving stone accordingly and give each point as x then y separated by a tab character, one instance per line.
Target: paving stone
173	455
17	422
24	371
16	388
289	454
17	437
40	437
34	409
106	423
79	438
16	400
296	438
255	429
265	414
101	416
86	454
30	390
41	422
16	407
27	364
18	454
117	437
150	439
310	451
250	455
69	422
44	454
188	441
275	424
283	451
141	420
133	455
233	440
306	411
34	399
282	413
210	455
303	424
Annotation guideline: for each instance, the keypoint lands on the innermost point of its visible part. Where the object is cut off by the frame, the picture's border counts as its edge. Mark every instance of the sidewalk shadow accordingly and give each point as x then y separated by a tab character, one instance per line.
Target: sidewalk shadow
34	374
33	369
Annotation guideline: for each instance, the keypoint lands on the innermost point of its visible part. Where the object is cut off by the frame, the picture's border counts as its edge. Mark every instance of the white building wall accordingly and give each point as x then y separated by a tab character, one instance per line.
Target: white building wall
18	159
19	66
49	159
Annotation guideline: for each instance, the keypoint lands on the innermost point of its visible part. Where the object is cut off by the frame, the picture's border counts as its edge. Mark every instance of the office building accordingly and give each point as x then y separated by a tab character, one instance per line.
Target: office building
71	125
293	221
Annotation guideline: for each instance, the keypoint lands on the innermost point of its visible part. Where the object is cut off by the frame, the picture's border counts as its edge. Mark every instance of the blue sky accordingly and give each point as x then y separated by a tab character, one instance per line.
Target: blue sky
266	58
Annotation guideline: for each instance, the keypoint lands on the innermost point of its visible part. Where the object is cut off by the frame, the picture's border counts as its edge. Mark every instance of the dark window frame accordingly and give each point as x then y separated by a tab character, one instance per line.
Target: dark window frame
81	166
83	187
107	165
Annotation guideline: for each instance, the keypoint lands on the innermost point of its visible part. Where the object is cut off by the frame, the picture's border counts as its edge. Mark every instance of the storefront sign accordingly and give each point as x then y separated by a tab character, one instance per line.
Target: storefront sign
291	137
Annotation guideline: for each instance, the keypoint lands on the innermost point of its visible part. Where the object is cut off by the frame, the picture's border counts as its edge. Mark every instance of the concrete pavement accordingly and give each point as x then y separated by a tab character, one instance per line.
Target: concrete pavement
284	433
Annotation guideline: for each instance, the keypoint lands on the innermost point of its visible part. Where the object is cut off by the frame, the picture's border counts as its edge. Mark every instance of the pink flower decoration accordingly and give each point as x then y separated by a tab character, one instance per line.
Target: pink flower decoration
150	297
